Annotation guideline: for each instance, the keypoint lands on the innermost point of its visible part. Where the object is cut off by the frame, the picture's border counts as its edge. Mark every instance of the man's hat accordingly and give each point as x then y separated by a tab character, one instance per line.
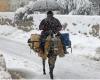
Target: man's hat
49	12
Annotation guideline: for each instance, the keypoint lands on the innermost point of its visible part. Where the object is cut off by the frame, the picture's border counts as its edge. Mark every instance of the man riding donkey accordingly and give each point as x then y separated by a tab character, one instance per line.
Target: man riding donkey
51	43
50	25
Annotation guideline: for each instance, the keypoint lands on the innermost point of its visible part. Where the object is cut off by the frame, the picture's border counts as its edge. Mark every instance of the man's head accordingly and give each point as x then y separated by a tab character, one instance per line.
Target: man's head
49	14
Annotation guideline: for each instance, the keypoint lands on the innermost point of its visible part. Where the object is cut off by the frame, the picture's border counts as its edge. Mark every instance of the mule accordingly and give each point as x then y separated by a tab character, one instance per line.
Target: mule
52	48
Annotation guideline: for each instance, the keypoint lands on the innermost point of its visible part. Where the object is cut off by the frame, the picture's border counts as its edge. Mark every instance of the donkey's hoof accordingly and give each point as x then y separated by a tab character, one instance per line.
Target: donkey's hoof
51	75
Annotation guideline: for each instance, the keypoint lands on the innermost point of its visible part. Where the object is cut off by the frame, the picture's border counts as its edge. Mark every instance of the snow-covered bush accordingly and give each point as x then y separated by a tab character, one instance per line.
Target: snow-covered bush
22	12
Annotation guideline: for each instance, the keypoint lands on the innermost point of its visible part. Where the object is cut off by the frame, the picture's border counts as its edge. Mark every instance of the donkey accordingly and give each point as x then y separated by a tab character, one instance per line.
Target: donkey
52	48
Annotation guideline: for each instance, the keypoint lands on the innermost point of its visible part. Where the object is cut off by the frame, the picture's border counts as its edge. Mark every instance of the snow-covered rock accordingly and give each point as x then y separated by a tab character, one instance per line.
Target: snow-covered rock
2	62
4	74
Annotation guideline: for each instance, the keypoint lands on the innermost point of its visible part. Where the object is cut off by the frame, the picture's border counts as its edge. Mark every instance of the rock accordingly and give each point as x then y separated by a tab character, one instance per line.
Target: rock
98	50
4	75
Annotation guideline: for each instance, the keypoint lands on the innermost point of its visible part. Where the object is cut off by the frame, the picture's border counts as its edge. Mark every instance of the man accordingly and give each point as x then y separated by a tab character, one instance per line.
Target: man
47	25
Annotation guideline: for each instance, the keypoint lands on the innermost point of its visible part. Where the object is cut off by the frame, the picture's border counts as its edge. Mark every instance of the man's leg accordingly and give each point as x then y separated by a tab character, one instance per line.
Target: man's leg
42	42
43	39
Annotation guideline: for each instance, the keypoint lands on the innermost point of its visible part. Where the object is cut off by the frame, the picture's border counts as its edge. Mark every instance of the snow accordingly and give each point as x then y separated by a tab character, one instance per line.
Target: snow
83	63
30	66
9	15
20	10
25	8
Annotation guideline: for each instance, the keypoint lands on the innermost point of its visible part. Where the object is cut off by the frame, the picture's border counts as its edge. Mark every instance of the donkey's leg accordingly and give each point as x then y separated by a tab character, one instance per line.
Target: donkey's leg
51	61
43	61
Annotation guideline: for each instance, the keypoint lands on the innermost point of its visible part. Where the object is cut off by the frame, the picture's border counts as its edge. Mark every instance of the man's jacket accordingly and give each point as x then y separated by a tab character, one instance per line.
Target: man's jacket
50	24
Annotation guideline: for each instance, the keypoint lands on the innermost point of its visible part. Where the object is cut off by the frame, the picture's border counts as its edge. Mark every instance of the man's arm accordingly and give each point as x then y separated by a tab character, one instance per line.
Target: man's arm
59	27
41	26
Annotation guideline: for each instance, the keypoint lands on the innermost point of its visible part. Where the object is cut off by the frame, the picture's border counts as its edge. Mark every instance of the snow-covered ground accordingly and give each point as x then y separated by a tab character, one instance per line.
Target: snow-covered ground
83	63
9	15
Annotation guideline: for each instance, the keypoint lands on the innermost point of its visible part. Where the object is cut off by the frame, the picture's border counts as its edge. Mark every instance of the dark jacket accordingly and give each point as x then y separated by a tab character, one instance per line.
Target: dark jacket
50	24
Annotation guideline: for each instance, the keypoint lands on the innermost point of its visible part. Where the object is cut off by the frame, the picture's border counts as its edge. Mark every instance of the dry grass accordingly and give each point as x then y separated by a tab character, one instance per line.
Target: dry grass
5	21
23	25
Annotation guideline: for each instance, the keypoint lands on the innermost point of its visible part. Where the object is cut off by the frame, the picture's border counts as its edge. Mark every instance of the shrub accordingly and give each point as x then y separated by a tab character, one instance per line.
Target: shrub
95	30
25	25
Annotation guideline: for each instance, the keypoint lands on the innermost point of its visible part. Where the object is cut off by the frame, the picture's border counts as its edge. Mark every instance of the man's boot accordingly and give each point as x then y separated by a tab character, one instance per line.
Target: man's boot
65	51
